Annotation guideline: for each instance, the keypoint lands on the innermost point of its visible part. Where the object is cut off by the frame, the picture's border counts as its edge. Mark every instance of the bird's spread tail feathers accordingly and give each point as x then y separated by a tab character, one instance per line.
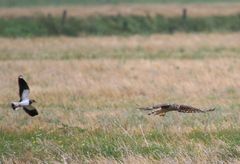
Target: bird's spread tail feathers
14	105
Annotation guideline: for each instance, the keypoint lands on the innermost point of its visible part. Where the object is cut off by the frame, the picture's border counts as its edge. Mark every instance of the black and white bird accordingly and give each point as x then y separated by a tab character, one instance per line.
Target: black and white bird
24	101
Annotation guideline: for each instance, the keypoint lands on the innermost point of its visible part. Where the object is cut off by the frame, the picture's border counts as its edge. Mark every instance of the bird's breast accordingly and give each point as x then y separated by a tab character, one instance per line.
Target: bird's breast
24	103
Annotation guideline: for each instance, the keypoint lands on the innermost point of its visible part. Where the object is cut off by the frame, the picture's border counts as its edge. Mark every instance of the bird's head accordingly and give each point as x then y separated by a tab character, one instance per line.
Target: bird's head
32	101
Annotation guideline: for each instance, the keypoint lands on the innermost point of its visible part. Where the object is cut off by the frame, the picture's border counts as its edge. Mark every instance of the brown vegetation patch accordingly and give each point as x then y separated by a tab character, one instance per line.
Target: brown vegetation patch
215	45
72	92
194	10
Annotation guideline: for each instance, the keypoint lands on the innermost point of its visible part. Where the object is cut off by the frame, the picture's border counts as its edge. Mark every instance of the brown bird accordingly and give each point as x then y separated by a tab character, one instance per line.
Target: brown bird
162	109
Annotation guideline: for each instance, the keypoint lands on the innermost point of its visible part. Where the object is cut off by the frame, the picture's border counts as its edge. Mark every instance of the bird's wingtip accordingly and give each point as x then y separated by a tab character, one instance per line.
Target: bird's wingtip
139	107
145	108
211	109
20	76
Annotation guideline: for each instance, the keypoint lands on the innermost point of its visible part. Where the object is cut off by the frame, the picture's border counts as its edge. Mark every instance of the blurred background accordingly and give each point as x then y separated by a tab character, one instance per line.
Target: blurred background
80	18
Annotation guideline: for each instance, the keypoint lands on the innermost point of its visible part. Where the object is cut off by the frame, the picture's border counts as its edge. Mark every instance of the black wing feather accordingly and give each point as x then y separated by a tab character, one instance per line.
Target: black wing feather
32	112
22	85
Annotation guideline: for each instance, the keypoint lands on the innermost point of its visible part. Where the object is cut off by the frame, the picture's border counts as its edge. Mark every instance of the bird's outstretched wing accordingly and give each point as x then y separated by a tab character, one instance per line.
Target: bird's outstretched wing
190	109
23	88
31	110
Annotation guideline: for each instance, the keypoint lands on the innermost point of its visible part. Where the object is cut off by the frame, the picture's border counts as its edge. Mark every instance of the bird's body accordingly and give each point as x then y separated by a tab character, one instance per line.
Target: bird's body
162	109
24	101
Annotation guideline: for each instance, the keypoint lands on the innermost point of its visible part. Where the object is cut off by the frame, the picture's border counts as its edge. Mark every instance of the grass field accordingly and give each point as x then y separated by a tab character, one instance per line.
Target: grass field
170	10
14	3
88	111
123	19
164	46
87	91
88	88
115	25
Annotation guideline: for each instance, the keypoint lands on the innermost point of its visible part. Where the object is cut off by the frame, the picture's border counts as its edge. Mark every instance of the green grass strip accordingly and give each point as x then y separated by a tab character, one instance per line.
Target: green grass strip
114	25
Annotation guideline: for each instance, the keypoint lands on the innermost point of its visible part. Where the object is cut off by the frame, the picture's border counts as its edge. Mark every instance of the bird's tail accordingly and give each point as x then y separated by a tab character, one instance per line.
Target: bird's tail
14	106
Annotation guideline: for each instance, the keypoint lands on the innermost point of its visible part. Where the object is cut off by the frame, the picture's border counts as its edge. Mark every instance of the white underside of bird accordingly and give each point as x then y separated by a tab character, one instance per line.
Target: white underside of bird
23	103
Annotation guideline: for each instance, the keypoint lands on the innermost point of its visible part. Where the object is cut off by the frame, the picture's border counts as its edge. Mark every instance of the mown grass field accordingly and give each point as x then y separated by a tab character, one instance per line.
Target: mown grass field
88	88
14	3
160	46
168	10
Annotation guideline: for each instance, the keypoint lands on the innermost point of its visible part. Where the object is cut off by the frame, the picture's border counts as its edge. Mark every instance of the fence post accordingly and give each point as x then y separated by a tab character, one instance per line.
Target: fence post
64	16
184	14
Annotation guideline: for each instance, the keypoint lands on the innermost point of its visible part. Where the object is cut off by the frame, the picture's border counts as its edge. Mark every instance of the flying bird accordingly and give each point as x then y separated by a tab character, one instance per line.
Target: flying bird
162	109
24	101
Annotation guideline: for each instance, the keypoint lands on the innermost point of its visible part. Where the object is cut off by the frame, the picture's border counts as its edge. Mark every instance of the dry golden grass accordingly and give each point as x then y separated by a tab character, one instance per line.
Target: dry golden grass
194	10
110	87
88	107
102	95
215	45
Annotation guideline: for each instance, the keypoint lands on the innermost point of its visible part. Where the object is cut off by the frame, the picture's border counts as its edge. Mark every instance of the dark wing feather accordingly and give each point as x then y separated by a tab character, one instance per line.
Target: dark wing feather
190	109
22	86
31	110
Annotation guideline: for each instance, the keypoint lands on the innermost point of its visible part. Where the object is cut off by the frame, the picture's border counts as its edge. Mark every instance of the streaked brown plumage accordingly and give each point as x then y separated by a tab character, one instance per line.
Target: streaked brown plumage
162	109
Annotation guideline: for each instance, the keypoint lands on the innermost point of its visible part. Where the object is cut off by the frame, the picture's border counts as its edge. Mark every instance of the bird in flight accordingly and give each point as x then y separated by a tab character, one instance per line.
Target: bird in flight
24	101
162	109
